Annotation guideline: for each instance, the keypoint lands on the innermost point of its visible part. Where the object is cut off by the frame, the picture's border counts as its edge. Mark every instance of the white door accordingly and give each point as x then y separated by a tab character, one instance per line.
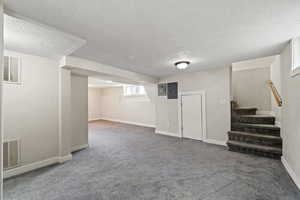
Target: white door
191	116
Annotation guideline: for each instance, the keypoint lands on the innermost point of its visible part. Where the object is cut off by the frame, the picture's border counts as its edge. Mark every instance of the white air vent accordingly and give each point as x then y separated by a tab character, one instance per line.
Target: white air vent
11	154
12	69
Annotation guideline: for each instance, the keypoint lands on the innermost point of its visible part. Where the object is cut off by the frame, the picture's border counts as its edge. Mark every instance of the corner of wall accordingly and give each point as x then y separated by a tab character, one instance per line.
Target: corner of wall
291	172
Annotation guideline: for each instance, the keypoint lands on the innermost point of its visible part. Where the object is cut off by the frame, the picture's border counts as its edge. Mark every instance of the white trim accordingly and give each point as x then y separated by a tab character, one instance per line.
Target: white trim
36	165
127	122
94	119
66	158
167	133
291	172
213	141
79	147
203	97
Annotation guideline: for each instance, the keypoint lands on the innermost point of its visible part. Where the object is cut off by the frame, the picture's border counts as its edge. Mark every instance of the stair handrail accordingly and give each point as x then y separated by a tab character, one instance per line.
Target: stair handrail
275	93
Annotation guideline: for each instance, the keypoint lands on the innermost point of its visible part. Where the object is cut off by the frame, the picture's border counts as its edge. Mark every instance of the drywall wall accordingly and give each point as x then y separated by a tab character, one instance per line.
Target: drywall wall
250	88
276	79
117	107
94	103
1	66
290	123
30	109
65	129
79	111
216	84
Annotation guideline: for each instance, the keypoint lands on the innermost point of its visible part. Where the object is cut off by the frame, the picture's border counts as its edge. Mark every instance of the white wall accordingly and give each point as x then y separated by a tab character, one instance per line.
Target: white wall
65	129
216	84
94	103
250	88
30	110
290	127
1	118
79	111
276	79
115	106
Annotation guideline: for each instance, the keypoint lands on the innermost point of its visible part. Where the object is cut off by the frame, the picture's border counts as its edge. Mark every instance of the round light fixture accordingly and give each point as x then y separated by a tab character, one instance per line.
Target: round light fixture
182	64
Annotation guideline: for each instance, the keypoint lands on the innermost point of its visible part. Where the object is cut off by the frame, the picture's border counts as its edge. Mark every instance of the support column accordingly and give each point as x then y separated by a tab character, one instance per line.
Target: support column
65	136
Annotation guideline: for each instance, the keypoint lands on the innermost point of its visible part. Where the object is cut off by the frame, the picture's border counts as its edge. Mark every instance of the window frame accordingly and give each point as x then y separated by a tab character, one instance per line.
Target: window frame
135	94
19	82
295	68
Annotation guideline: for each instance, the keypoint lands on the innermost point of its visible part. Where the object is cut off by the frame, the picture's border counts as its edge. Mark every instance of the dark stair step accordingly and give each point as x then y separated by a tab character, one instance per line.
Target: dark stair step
265	129
254	138
255	119
260	150
245	111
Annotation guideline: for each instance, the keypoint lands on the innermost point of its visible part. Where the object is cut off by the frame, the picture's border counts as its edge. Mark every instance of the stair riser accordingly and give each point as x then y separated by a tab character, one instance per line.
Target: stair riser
255	140
255	120
264	131
245	112
253	151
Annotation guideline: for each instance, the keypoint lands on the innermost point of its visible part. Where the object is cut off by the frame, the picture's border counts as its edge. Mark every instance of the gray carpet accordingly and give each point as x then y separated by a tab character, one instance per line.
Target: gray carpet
127	162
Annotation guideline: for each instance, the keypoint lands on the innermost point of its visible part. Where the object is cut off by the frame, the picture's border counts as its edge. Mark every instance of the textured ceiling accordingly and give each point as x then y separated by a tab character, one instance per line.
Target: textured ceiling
33	38
148	36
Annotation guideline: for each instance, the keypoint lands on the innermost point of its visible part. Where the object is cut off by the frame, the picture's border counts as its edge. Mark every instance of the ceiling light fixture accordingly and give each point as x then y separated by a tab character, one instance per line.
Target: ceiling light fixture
182	64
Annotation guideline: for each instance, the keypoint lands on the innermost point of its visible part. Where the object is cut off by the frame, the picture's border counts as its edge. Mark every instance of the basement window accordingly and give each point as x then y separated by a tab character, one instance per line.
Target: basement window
11	71
134	90
295	49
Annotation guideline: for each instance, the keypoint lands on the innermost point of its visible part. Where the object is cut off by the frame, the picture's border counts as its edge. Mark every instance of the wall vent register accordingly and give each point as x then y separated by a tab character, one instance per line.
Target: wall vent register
12	70
11	154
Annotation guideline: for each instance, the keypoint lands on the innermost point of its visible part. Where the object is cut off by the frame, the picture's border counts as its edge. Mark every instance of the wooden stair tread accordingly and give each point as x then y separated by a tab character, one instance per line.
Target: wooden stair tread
256	146
266	126
263	136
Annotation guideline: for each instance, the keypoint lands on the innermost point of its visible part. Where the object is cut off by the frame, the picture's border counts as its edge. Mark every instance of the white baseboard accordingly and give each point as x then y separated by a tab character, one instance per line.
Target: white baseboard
36	165
210	141
128	122
217	142
79	147
291	172
65	158
167	133
94	119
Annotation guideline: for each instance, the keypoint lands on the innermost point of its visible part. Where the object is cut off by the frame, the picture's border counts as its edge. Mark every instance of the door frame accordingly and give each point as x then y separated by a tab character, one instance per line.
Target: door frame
203	105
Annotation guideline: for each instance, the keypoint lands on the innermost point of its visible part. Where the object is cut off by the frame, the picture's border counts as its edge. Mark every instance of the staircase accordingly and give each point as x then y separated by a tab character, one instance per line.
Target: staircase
254	134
